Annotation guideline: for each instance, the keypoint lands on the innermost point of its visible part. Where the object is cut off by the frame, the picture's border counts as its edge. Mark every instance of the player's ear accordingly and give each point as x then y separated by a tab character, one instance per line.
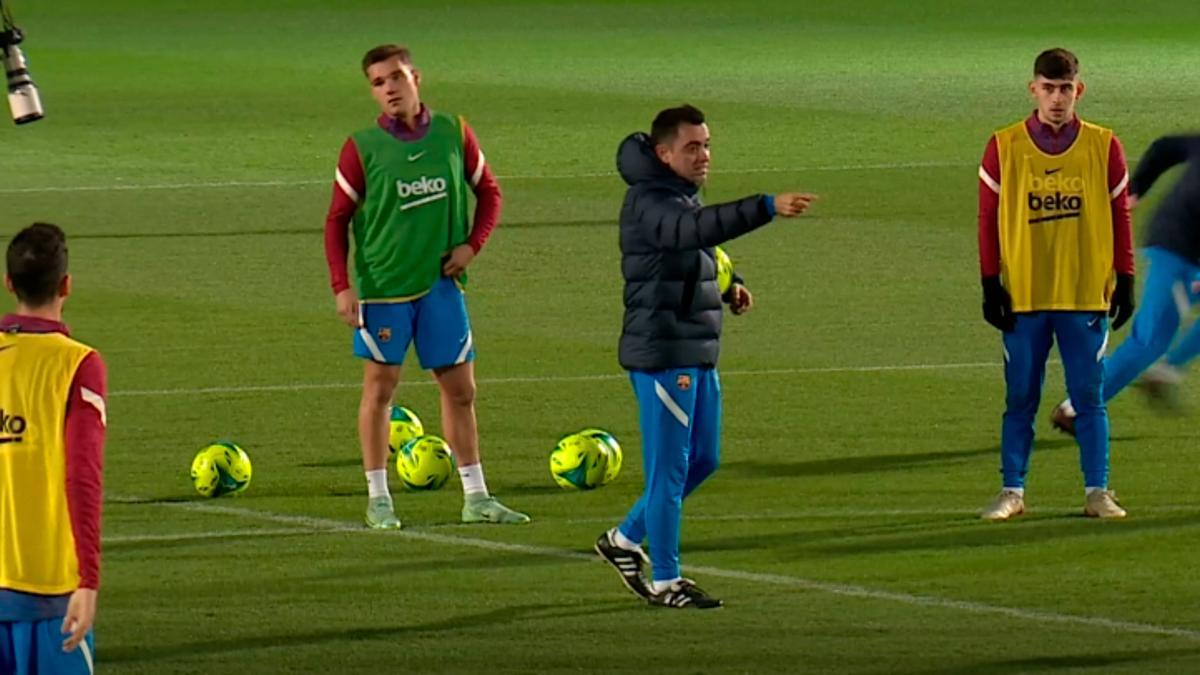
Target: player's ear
64	286
663	152
1079	89
1033	88
8	284
416	77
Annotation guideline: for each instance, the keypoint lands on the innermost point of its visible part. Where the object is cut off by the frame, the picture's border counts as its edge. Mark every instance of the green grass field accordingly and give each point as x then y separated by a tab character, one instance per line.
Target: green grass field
189	149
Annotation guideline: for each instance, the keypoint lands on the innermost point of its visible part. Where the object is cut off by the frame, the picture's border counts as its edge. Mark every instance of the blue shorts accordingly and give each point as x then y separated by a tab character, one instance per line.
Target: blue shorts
437	322
35	647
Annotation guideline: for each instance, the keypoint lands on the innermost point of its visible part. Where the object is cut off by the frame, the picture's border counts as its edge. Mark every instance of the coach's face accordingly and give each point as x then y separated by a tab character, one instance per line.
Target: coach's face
688	153
1056	98
394	86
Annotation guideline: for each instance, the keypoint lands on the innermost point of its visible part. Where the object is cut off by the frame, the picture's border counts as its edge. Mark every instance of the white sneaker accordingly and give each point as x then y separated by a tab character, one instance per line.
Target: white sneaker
1103	504
1007	504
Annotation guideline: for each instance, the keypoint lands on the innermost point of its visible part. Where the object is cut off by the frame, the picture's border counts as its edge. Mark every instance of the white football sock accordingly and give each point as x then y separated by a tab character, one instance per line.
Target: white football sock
377	484
622	541
1020	491
1087	491
472	480
660	586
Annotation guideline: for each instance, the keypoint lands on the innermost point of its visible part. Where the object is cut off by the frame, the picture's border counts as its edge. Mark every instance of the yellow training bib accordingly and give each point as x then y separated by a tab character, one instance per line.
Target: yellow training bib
37	543
1056	229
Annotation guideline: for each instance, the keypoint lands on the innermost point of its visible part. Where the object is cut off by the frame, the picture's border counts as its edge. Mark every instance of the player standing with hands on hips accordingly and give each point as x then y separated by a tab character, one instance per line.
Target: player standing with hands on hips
671	337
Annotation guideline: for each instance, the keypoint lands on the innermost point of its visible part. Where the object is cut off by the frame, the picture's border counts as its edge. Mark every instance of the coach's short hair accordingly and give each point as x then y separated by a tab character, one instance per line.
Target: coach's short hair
666	123
1056	64
385	52
37	263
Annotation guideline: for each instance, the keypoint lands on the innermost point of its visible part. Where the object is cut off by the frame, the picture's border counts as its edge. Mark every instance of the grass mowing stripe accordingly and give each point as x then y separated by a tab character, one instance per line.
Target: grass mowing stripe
189	536
309	386
844	590
117	187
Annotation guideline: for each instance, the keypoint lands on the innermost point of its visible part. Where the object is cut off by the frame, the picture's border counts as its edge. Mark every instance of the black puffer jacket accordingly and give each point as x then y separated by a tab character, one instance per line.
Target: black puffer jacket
672	303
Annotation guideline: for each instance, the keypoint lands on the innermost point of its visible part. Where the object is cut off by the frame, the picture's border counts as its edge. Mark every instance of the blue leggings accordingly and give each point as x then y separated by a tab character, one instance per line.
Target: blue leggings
1166	298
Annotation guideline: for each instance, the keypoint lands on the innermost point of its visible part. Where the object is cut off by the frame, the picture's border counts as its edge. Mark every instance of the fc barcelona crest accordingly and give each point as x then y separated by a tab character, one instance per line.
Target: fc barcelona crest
684	382
385	334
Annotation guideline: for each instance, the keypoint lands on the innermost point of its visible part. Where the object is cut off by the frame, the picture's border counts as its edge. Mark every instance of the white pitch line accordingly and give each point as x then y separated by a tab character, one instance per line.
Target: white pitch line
118	187
846	590
189	536
540	379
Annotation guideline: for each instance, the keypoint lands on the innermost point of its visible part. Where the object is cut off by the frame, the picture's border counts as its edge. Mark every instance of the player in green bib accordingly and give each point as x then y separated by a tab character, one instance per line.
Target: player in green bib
401	188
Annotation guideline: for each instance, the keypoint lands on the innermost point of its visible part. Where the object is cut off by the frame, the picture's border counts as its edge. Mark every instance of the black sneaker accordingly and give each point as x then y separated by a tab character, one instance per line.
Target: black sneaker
631	565
685	594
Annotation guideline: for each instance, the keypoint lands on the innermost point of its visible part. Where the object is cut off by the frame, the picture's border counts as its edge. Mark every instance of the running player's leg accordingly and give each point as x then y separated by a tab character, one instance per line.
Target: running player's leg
1155	323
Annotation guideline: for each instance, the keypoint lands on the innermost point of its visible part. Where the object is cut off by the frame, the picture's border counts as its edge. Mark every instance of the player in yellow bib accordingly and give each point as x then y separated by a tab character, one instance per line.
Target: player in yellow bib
1056	260
52	422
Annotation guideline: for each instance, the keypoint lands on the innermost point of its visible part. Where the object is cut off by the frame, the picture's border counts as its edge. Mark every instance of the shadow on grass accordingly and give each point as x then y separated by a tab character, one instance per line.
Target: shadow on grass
251	642
1040	664
434	566
941	535
871	463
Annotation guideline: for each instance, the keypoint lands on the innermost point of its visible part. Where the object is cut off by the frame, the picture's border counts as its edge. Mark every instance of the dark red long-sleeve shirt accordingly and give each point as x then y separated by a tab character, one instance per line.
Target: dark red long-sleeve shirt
85	424
1052	142
350	187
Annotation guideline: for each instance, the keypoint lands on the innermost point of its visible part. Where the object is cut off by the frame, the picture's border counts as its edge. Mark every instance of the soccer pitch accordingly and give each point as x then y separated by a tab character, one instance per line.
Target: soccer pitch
188	151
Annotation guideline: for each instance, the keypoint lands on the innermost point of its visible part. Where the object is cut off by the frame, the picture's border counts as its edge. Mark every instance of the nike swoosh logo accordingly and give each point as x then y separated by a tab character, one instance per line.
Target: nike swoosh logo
416	155
1050	171
1093	322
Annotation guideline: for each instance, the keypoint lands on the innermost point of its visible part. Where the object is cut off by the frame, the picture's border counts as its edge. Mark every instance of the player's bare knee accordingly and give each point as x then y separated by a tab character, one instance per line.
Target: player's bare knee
460	394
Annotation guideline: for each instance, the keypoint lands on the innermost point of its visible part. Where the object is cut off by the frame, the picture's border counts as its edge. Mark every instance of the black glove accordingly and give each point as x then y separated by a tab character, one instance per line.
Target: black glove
997	305
1121	307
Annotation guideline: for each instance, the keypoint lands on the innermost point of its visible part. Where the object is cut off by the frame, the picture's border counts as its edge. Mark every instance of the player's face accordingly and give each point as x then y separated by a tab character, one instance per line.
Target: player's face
688	154
394	86
1056	98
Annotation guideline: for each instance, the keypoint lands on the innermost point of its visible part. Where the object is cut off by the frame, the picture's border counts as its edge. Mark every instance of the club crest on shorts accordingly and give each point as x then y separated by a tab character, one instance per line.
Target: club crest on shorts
385	334
684	382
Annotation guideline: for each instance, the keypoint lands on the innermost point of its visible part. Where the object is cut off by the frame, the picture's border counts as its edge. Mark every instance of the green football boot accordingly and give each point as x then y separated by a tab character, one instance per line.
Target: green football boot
380	515
487	509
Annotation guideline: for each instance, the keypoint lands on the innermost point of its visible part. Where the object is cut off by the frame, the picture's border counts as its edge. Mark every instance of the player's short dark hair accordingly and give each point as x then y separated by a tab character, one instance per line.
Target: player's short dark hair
385	52
666	123
37	263
1056	64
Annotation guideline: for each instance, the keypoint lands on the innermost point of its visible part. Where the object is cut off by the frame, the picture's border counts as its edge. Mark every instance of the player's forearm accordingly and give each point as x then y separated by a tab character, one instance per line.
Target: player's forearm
1123	260
86	420
337	245
989	232
489	202
1162	154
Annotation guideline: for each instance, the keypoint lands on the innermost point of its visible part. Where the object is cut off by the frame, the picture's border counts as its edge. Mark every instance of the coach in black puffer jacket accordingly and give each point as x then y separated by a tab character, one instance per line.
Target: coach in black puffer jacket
672	303
671	339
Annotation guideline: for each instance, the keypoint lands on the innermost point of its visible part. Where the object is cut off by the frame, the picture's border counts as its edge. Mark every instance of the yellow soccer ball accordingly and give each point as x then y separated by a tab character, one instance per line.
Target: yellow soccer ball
579	462
612	448
724	269
403	426
221	468
425	463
